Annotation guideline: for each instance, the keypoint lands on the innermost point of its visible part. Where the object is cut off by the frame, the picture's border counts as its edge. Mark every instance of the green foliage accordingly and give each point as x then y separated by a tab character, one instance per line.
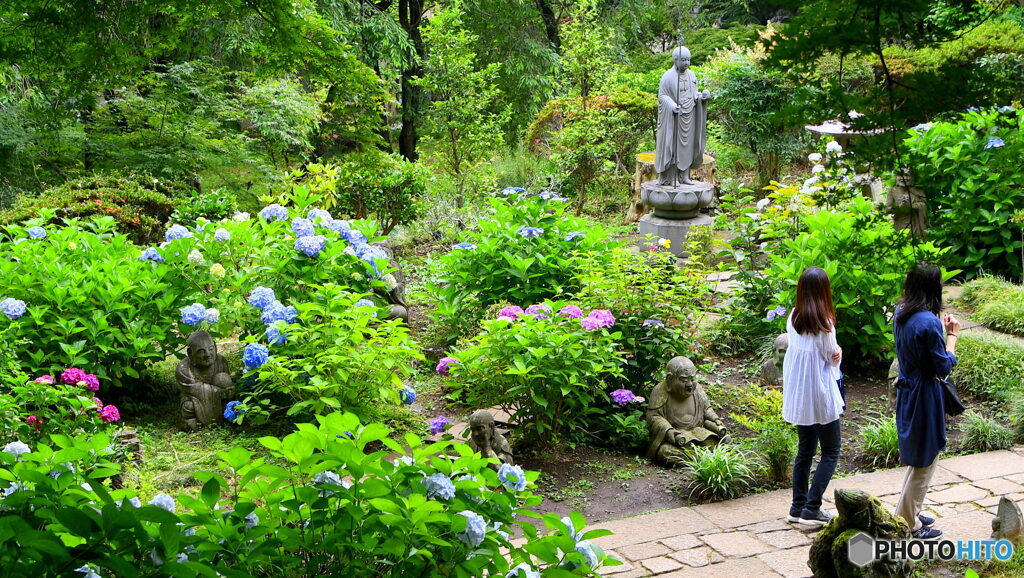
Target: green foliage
720	472
989	365
881	441
866	261
307	509
627	430
970	208
586	50
1006	315
983	434
139	204
213	206
337	356
464	118
547	373
505	265
774	440
984	289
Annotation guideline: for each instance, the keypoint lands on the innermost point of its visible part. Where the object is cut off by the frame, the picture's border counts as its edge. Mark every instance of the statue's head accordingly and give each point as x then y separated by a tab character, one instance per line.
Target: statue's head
681	56
202	350
681	377
481	428
779	351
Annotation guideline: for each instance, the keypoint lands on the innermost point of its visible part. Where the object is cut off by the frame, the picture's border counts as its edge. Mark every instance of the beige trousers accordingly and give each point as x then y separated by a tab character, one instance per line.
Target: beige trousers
915	486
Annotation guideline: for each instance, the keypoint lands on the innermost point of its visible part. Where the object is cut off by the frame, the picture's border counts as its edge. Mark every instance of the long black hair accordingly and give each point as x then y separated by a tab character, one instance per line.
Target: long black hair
813	311
922	291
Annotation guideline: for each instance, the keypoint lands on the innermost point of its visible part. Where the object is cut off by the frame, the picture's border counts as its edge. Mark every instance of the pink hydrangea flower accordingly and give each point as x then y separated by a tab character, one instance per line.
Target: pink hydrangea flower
99	404
44	379
72	376
109	413
571	311
598	318
35	422
92	383
512	312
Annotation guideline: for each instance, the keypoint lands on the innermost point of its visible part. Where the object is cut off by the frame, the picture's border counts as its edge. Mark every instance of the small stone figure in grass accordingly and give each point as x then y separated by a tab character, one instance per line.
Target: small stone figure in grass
894	375
204	381
485	439
679	415
858	512
771	369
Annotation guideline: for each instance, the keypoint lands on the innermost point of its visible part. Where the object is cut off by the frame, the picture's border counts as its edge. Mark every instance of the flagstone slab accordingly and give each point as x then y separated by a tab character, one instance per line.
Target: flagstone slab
684	542
661	565
644	550
789	563
651	527
616	570
697	557
785	539
736	544
887	482
985	466
768	526
738	568
976	525
747	510
958	494
999	486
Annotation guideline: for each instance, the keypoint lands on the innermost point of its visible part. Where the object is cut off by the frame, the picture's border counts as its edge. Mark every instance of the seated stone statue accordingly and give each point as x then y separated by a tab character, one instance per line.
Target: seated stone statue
679	415
771	369
204	381
485	439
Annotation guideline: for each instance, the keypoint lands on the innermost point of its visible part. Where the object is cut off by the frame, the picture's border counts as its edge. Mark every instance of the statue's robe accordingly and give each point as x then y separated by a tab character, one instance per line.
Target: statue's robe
681	137
499	449
199	389
663	424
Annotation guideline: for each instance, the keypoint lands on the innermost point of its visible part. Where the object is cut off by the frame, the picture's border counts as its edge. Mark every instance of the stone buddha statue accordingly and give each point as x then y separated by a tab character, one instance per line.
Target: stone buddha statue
679	415
485	439
771	369
204	381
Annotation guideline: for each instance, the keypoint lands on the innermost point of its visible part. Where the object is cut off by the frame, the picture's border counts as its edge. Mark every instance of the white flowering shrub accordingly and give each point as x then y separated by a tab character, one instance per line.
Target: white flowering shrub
326	501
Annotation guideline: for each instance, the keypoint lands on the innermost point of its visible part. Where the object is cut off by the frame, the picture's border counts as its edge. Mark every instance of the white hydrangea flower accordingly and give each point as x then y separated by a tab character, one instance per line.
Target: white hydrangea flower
763	203
814	157
195	257
833	148
240	217
16	448
817	169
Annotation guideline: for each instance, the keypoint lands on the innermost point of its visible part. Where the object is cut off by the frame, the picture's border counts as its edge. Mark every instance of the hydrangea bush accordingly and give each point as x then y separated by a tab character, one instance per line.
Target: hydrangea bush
322	503
65	403
547	369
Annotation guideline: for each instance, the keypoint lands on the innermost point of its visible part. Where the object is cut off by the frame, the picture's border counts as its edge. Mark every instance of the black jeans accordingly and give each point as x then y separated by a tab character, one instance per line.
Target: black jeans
809	499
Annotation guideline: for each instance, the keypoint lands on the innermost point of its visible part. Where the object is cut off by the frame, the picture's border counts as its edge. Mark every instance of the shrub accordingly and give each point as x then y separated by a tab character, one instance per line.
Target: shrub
983	434
1006	314
325	501
720	472
213	206
139	204
547	369
989	365
50	404
774	440
881	441
971	169
1017	416
984	289
528	250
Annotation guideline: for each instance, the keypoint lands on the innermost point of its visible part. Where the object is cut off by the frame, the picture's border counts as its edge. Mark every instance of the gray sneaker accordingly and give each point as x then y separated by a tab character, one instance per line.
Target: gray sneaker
814	519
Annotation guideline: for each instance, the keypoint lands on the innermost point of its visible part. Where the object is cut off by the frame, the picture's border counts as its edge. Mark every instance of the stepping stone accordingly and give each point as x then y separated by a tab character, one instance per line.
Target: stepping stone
644	551
976	525
698	557
785	539
684	542
887	482
958	494
661	565
985	466
1000	486
738	568
736	544
651	527
789	563
747	510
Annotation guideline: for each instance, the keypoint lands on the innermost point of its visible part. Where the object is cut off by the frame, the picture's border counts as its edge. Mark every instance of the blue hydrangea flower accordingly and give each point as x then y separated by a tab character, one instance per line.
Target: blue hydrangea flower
36	232
653	323
151	254
302	227
327	478
575	235
530	232
311	245
262	297
923	127
1006	109
973	109
354	236
16	448
275	336
163	501
339	226
319	215
408	395
439	487
222	235
87	571
133	502
476	528
231	413
512	477
522	570
13	308
251	521
255	355
512	191
777	312
212	315
176	232
994	143
194	314
589	555
364	303
576	535
276	311
274	212
464	245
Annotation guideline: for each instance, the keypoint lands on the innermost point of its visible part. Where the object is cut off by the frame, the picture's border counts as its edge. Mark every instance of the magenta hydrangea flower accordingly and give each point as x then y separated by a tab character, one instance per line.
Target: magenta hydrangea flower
438	424
512	312
72	376
539	310
571	311
598	319
92	383
44	379
444	365
623	397
109	413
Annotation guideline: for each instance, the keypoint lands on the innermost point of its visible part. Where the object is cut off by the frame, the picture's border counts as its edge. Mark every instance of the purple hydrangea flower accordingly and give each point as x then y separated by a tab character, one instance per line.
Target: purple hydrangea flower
176	232
512	312
464	245
13	308
255	355
571	312
262	297
438	424
540	311
222	235
575	235
274	212
653	323
36	232
444	365
530	232
598	319
151	254
623	397
994	143
193	314
302	227
777	312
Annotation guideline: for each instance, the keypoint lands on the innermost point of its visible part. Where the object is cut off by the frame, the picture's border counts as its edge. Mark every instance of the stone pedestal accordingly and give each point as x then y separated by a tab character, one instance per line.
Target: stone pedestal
674	230
645	172
676	209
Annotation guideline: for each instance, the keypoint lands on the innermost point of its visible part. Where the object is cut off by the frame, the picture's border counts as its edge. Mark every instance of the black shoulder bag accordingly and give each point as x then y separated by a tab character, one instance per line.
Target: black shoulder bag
953	403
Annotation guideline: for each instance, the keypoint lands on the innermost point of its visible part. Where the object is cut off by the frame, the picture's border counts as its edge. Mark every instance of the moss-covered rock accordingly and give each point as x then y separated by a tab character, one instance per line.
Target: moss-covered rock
858	512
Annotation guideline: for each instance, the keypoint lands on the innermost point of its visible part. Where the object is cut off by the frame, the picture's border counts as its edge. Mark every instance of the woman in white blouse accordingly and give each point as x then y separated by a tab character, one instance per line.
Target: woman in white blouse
811	396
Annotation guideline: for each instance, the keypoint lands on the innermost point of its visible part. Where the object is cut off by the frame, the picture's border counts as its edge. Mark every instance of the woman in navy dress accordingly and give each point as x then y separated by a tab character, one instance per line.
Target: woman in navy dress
925	355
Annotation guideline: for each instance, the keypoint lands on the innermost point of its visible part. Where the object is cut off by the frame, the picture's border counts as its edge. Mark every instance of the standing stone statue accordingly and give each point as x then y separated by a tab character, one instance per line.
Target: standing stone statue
679	415
682	122
204	381
908	205
771	369
485	439
1008	524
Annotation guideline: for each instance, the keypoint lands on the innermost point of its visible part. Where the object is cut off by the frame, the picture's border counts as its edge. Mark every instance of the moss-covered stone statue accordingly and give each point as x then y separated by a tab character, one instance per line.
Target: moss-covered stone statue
771	369
485	439
859	512
679	415
204	381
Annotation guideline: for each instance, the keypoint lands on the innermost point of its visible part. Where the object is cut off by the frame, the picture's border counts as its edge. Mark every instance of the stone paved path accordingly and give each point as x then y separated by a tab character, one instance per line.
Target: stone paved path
750	538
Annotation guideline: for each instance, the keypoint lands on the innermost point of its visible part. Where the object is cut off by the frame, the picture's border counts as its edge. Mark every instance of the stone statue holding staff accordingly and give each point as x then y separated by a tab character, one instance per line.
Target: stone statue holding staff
682	122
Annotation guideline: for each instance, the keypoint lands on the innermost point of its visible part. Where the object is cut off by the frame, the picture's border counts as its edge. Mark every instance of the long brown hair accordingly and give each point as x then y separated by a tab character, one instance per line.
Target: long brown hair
813	310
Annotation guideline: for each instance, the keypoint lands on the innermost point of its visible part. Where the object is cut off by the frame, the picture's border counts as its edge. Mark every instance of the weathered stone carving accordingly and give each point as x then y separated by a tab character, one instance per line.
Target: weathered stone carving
485	439
842	539
204	381
679	415
771	369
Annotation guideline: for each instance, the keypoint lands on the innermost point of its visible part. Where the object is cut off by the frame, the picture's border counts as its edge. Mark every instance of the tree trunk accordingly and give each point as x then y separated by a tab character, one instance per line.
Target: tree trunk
410	15
550	22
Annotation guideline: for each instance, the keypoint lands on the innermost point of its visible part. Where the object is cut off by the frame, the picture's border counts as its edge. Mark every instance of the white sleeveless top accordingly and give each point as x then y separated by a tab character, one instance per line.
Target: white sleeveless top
810	394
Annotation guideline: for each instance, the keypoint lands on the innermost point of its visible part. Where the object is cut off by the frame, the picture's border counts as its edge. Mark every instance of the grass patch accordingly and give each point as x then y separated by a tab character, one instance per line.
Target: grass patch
983	434
989	365
998	304
881	441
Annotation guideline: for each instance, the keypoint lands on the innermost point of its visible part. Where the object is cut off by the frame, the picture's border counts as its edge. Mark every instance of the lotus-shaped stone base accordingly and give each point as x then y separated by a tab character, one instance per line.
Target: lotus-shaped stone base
677	202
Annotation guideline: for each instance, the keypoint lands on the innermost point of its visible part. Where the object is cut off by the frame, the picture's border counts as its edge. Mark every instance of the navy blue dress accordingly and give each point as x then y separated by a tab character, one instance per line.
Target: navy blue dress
920	405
